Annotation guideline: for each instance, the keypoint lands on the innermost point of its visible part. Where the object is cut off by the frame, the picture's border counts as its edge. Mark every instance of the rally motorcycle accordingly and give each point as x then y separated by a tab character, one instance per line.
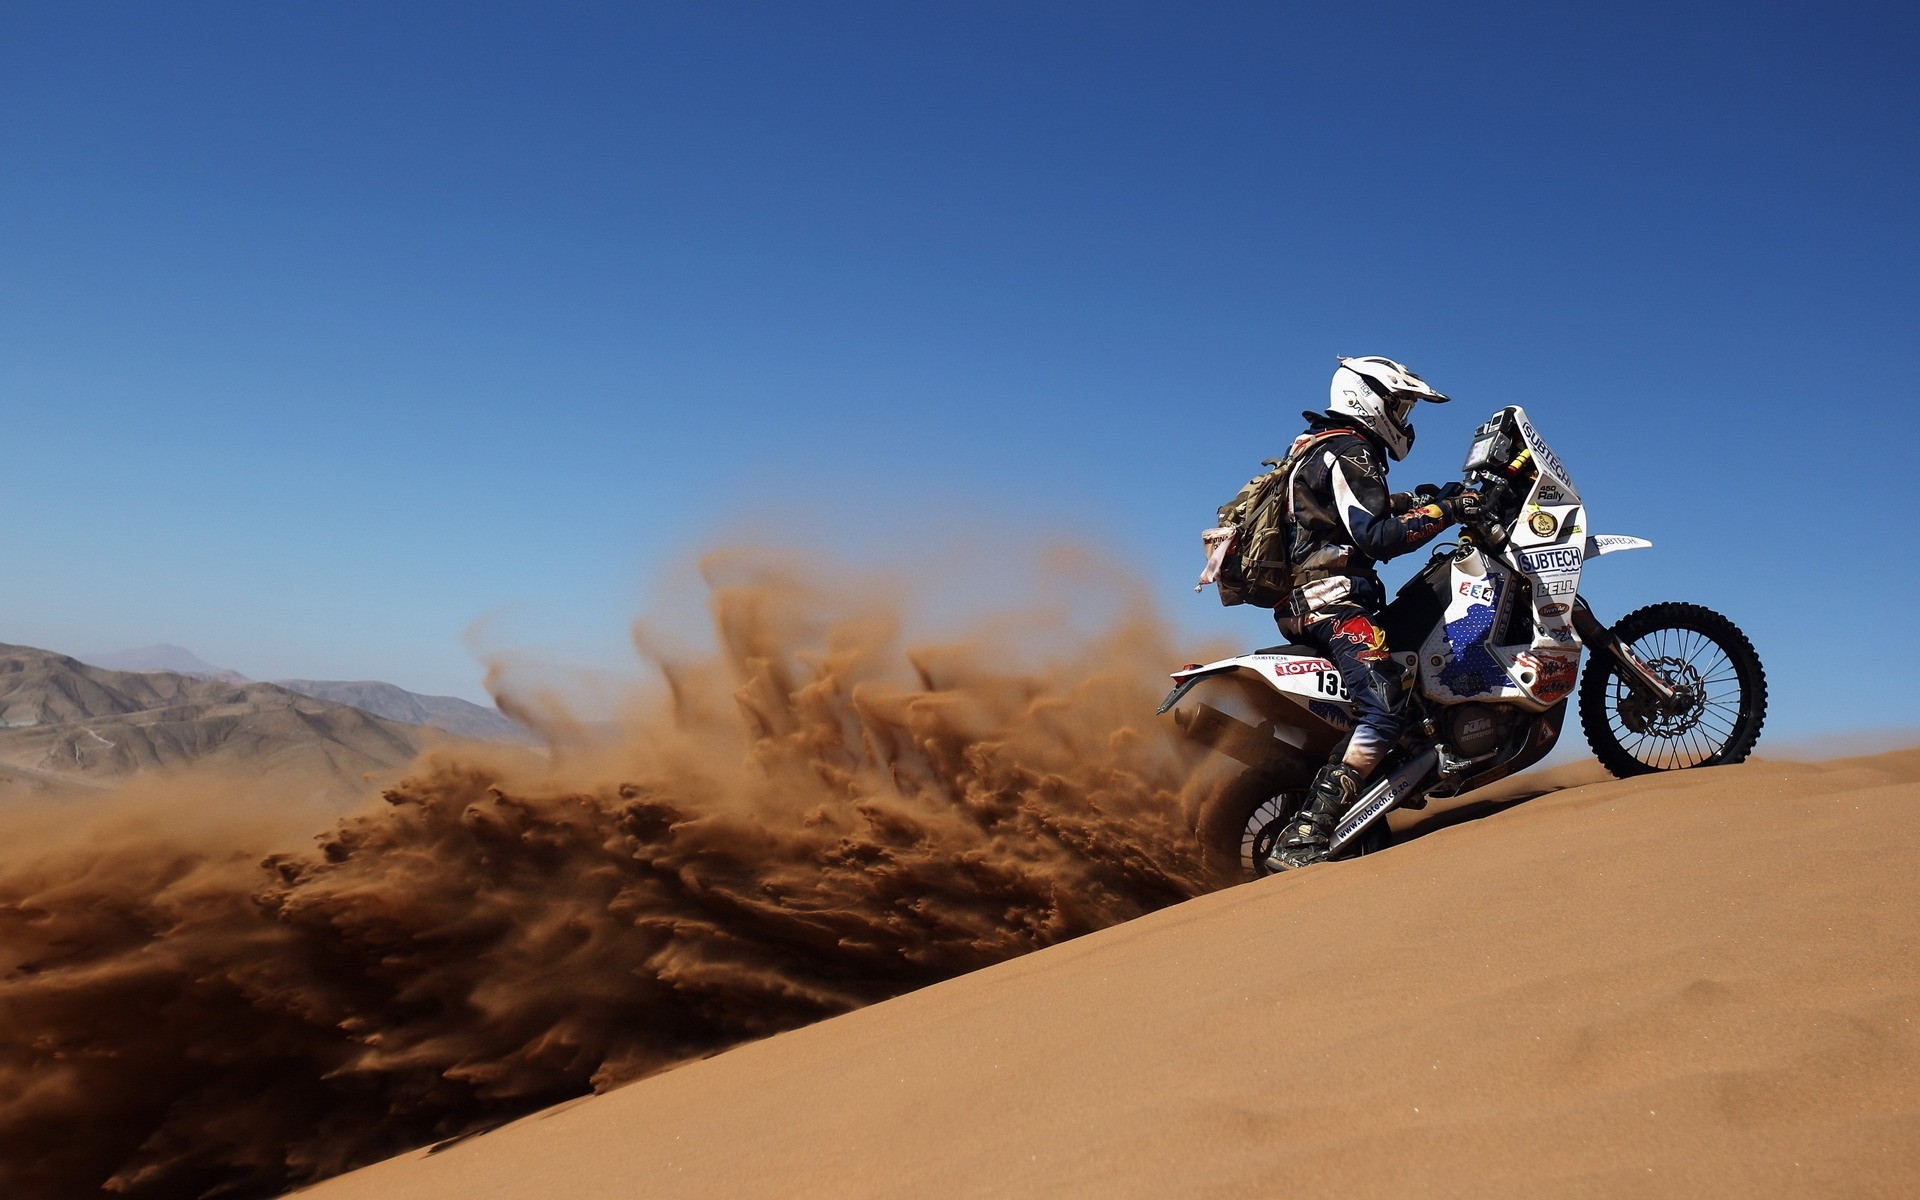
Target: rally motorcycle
1489	634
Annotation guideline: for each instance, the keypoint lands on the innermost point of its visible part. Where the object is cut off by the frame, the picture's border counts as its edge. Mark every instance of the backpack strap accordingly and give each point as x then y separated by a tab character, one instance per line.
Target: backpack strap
1296	455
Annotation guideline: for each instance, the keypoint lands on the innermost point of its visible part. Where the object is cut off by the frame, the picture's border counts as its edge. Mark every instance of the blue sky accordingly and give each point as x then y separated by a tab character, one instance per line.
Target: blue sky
328	330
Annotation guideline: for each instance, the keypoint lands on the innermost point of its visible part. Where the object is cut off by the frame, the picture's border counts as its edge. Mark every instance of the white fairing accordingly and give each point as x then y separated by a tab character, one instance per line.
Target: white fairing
1460	659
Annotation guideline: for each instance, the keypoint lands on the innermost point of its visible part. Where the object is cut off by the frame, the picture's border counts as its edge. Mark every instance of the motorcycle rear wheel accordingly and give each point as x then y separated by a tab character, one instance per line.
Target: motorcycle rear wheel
1239	830
1699	653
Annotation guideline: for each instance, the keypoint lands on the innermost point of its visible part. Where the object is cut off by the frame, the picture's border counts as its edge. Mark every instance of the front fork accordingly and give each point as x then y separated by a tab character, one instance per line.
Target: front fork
1638	675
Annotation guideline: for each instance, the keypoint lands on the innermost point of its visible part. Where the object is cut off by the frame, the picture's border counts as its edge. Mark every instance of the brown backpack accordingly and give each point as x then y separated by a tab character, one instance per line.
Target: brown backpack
1247	560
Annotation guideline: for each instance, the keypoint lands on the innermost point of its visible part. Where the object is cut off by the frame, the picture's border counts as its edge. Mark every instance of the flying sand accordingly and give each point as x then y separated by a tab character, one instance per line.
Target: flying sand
1699	984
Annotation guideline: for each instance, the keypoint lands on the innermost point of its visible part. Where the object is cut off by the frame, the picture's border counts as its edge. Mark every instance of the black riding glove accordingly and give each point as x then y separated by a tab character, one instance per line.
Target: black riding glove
1461	506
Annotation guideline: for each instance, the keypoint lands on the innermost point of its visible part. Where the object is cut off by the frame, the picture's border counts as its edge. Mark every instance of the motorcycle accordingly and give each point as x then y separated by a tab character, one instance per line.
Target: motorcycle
1490	632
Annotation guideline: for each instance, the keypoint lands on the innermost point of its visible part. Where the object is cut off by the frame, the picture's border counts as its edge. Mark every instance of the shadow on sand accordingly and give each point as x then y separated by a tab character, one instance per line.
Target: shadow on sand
1469	808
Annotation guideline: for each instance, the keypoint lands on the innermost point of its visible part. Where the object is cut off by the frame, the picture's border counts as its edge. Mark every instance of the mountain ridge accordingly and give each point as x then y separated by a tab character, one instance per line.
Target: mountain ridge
389	701
64	722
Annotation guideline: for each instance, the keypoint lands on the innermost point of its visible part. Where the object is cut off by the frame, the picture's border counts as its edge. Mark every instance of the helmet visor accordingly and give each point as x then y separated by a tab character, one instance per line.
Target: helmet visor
1399	406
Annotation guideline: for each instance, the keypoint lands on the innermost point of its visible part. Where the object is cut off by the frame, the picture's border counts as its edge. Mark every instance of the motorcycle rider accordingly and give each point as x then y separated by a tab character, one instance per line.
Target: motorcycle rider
1342	521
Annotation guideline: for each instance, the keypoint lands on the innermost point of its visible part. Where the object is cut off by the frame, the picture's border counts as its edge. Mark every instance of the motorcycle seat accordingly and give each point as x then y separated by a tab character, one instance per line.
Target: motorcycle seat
1304	651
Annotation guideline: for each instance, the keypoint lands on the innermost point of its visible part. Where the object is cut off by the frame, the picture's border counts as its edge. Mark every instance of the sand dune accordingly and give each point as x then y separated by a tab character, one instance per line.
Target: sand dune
1700	984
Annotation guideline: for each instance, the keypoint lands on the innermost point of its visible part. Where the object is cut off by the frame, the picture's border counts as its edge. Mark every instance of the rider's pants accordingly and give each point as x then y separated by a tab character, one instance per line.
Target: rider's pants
1358	648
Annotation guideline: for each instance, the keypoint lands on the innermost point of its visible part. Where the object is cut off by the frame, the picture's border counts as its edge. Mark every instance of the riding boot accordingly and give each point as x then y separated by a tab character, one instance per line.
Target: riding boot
1334	789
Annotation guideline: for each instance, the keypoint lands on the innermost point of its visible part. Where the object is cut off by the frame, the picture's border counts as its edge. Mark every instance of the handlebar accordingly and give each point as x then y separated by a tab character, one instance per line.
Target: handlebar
1499	504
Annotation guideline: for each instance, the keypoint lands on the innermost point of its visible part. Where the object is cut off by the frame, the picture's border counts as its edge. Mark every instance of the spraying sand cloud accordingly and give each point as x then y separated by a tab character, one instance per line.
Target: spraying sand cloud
815	815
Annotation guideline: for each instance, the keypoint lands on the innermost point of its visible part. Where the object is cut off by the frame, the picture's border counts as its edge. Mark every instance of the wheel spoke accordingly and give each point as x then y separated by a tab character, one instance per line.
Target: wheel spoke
1720	693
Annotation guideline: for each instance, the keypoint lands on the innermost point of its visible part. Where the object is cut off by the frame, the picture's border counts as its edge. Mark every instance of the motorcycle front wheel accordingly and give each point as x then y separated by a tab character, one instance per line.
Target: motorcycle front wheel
1711	665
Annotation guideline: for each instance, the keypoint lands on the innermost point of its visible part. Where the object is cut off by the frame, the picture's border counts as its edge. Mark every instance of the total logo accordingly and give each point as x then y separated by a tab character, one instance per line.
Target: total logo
1301	666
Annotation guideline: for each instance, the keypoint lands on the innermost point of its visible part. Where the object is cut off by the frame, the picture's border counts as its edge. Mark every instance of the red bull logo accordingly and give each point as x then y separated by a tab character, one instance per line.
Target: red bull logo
1364	633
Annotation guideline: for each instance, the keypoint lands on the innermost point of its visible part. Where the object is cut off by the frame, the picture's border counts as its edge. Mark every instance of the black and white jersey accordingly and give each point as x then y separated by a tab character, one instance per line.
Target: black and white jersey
1342	519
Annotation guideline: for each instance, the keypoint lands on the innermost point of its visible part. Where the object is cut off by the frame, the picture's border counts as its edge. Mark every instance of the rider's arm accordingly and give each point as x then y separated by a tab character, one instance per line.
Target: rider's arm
1360	497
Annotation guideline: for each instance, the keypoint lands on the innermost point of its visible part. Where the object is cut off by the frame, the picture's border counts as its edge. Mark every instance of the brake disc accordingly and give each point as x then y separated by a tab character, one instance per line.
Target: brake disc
1645	714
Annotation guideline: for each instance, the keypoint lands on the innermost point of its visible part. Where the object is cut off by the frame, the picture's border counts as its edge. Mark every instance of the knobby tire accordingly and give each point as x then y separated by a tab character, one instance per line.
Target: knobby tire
1723	732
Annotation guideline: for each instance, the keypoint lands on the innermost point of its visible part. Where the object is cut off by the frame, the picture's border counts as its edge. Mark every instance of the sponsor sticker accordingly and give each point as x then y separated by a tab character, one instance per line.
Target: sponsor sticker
1559	558
1605	540
1398	786
1553	610
1556	673
1549	494
1542	523
1479	590
1369	812
1541	450
1301	666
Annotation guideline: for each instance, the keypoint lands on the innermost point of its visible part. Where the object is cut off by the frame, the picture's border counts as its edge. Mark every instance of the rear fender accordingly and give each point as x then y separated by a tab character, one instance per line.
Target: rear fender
1249	708
1307	680
1184	682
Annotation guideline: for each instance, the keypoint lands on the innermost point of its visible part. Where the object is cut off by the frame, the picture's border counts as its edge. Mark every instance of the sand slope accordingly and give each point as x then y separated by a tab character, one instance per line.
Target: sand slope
1702	984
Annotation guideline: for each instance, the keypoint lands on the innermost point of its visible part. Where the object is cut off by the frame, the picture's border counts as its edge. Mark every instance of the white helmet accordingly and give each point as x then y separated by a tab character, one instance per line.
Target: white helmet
1380	394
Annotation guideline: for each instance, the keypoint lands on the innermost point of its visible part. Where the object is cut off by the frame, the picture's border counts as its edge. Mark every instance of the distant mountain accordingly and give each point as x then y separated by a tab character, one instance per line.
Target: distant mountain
398	704
164	657
63	721
387	700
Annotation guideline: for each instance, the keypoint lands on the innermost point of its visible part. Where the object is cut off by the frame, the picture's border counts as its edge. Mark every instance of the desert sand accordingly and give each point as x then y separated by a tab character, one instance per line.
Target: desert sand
1698	984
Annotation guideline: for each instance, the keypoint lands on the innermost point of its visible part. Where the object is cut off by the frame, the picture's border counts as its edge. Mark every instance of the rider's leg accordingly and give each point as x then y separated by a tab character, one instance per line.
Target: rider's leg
1355	645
